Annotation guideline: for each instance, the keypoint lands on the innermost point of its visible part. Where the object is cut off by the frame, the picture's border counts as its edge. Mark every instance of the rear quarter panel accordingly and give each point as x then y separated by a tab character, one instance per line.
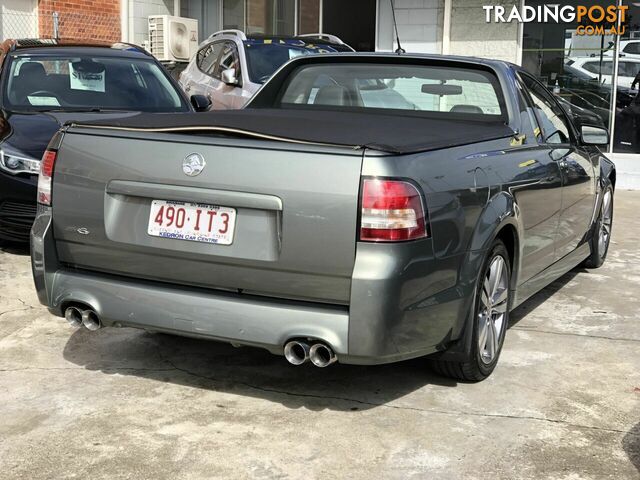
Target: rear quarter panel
428	286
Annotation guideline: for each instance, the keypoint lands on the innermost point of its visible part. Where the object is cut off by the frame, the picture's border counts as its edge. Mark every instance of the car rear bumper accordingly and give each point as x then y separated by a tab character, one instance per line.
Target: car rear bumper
401	306
17	206
231	317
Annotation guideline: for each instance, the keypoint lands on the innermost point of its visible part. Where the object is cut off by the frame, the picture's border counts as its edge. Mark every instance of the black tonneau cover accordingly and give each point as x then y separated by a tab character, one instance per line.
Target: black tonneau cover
398	134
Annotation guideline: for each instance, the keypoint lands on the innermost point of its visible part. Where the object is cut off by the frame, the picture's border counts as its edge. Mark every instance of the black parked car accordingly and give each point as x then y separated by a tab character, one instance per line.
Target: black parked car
48	83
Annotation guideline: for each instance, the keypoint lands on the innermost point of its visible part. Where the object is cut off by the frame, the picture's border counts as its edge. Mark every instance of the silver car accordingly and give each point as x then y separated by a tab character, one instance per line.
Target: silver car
230	67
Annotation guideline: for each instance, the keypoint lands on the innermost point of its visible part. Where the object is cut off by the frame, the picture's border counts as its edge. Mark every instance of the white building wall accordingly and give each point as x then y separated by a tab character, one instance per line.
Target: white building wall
471	35
139	11
627	170
18	19
419	25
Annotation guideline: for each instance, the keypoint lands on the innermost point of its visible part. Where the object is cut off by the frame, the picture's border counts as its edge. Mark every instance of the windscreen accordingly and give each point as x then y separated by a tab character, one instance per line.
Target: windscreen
423	89
79	82
265	57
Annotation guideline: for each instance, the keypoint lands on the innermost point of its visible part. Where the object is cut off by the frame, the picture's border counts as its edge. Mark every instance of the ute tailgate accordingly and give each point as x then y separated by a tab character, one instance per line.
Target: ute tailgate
296	211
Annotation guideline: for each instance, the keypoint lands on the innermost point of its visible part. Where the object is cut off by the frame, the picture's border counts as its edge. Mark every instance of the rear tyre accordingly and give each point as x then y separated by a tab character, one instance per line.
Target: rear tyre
490	320
602	231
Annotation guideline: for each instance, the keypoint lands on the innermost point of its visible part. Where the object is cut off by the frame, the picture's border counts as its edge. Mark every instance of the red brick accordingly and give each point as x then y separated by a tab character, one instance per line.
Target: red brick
81	19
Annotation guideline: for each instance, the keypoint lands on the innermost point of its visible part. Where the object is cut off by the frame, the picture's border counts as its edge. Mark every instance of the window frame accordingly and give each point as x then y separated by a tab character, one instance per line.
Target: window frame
605	64
214	65
573	136
632	48
217	74
628	63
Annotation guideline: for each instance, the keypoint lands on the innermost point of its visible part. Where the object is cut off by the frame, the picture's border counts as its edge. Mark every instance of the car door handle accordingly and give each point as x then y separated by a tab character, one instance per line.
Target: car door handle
187	88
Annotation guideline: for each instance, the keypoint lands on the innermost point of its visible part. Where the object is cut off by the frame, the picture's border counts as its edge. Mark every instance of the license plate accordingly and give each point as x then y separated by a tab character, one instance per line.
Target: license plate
196	222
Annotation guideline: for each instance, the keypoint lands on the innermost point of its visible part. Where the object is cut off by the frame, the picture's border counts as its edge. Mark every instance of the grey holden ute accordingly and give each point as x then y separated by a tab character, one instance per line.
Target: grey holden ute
364	208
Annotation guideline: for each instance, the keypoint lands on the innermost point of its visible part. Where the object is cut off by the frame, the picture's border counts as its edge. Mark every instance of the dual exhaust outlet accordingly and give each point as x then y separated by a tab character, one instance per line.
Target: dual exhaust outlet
79	317
298	352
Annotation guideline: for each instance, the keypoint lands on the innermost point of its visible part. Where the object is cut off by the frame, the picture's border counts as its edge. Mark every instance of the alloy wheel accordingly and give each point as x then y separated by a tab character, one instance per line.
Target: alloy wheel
492	312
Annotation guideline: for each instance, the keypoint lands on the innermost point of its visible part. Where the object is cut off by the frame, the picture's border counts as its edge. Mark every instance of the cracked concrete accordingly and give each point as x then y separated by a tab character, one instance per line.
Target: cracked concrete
564	402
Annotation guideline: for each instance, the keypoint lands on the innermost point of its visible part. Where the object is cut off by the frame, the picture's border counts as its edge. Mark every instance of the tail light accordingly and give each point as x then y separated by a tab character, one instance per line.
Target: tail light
46	174
47	165
392	211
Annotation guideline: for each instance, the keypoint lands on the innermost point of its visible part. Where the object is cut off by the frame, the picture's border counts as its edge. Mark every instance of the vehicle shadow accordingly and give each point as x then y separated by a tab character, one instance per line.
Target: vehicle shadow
542	296
252	371
246	371
631	445
21	249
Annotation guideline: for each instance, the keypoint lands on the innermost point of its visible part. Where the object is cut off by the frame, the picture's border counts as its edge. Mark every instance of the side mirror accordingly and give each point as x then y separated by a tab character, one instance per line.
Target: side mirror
594	135
229	76
200	103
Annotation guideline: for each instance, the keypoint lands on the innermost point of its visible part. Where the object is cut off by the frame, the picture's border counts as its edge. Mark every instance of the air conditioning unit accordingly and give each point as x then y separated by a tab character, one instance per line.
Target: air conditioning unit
172	39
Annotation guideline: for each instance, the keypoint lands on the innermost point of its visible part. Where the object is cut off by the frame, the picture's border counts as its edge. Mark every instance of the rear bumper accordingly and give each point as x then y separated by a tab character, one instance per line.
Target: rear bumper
221	316
402	305
17	206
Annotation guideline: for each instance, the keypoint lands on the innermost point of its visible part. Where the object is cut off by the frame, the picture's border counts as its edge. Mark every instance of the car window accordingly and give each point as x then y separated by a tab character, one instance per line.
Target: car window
72	82
594	67
628	69
265	57
208	56
553	124
633	48
228	59
426	89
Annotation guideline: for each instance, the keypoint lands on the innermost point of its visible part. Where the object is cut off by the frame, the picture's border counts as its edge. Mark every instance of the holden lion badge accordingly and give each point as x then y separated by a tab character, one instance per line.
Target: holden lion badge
193	164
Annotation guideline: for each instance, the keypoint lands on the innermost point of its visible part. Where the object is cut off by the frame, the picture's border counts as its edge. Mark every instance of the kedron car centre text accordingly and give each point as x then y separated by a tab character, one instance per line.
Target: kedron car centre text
595	19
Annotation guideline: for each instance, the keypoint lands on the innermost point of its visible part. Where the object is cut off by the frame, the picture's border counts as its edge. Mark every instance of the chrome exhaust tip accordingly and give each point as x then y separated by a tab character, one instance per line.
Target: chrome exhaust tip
296	352
90	320
322	355
73	315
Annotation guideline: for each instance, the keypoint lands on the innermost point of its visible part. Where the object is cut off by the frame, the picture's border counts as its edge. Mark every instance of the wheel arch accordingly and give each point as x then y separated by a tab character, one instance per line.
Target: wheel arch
607	171
500	219
612	178
504	221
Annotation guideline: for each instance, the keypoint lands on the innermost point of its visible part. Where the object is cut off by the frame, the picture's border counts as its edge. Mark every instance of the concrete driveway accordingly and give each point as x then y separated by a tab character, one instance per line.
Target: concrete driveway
564	403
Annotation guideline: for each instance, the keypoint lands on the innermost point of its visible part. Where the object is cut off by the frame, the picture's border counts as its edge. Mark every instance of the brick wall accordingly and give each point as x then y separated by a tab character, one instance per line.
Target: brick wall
309	16
81	19
257	21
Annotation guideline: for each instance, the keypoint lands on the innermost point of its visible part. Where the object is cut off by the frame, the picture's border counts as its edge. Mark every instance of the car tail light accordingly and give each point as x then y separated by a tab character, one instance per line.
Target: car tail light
392	211
47	165
46	174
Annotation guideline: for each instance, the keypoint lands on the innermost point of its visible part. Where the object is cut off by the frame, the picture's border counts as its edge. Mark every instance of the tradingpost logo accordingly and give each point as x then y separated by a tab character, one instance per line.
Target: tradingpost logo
591	19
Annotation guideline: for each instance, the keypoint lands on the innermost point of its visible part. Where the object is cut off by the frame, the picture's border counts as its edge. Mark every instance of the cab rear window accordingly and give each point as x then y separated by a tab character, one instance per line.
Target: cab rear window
423	89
